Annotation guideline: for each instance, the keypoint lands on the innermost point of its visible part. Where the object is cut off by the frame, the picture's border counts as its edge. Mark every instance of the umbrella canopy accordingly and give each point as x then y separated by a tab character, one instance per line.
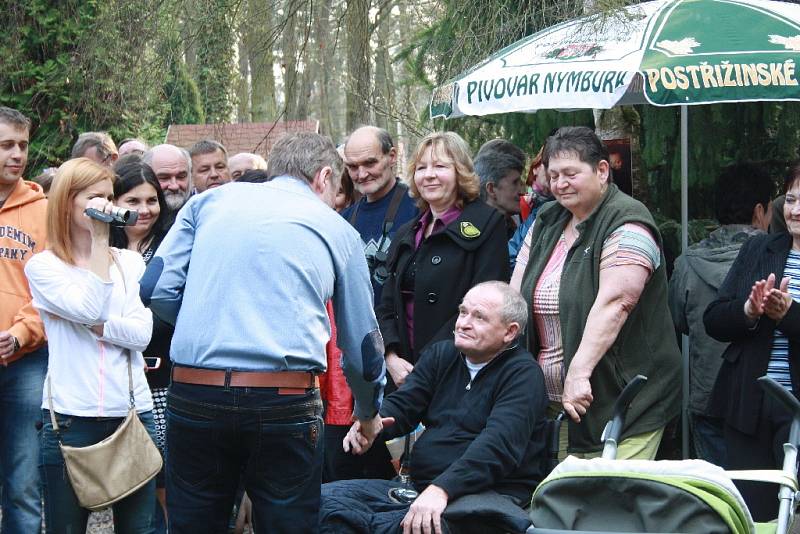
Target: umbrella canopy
664	52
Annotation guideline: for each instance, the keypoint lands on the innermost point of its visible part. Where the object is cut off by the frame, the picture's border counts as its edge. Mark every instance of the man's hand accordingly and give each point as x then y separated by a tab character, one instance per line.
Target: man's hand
363	432
398	368
577	396
425	513
7	342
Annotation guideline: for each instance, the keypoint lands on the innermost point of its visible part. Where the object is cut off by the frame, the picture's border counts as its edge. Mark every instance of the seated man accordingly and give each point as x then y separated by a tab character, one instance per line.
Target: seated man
482	400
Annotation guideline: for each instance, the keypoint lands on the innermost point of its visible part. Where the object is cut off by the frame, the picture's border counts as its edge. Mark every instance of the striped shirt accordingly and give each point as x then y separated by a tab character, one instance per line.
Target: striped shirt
630	244
778	367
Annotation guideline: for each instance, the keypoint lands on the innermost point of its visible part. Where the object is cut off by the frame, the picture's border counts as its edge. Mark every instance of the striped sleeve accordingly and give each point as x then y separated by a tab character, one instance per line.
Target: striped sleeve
631	244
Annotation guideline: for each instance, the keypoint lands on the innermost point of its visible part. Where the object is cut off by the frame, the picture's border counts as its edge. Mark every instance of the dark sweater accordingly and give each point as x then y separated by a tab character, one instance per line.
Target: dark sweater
489	435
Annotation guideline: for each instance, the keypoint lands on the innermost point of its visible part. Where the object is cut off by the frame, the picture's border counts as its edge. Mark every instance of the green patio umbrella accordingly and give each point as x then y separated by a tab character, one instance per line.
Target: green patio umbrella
664	52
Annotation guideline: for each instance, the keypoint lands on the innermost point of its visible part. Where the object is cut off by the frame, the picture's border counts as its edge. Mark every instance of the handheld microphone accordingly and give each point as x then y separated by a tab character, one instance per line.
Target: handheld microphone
118	216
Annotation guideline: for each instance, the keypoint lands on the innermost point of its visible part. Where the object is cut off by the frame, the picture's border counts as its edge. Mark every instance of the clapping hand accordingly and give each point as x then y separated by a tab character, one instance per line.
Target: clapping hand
765	298
777	301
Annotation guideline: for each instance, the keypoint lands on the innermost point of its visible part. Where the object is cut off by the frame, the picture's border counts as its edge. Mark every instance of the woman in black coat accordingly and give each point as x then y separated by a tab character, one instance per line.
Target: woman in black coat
757	312
457	242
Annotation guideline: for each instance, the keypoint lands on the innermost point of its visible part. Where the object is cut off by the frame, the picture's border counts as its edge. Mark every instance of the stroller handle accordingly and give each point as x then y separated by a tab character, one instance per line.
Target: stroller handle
613	429
788	400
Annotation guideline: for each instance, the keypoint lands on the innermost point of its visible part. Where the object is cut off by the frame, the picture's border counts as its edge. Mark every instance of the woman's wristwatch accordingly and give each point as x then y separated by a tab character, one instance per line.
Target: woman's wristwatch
16	344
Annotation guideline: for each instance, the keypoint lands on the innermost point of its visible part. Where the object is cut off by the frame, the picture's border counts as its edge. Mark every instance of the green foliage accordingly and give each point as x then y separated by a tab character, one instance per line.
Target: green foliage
767	133
215	41
78	65
182	96
464	34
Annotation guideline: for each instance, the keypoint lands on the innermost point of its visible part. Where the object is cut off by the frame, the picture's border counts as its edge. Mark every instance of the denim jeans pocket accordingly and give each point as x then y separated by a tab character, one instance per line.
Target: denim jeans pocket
287	454
191	454
50	452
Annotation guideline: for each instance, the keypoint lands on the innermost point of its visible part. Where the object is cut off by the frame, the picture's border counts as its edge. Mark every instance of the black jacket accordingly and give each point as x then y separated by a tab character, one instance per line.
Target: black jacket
736	396
447	265
483	434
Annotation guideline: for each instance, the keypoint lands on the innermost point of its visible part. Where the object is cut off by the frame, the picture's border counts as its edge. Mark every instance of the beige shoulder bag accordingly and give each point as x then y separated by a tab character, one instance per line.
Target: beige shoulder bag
103	473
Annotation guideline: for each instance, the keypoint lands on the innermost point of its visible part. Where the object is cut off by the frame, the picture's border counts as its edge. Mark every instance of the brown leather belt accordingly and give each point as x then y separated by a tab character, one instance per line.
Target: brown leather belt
291	380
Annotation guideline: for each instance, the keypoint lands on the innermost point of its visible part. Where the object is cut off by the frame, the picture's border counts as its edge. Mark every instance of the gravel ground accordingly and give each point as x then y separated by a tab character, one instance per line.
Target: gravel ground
100	523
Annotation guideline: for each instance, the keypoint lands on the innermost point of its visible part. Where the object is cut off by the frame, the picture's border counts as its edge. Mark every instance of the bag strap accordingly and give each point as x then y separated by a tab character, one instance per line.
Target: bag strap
397	197
400	191
131	399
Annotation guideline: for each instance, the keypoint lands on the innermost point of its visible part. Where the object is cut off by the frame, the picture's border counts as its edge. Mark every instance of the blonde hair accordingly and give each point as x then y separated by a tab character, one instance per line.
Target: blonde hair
71	178
454	147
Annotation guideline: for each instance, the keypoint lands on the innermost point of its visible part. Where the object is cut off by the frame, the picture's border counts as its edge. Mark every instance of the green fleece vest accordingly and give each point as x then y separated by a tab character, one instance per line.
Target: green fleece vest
645	345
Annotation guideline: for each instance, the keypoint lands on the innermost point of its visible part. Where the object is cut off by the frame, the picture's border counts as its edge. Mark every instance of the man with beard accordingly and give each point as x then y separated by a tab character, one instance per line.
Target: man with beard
173	168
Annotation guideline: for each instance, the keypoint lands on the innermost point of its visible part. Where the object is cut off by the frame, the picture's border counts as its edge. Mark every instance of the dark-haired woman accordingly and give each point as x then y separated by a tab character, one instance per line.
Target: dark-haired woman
592	272
136	188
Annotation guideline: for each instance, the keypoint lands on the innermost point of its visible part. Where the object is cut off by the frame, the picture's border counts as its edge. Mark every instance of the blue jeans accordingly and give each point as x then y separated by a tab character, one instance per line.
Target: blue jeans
63	512
20	412
218	435
360	507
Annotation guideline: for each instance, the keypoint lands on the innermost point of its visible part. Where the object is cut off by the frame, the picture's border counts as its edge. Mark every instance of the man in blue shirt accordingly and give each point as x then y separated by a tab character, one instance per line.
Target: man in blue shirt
244	274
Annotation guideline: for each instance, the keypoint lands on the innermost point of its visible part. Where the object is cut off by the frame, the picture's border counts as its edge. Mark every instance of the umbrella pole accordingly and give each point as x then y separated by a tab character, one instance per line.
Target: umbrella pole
684	247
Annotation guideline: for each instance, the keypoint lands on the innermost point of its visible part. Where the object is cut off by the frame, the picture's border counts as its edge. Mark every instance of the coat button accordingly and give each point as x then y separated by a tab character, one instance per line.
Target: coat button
436	260
432	298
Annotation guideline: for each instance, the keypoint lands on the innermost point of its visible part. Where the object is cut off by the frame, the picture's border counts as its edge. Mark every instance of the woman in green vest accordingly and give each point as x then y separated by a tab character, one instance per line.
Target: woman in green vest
592	272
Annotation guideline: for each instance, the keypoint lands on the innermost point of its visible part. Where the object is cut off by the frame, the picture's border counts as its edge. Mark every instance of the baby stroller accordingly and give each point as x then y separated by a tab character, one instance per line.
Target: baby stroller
613	496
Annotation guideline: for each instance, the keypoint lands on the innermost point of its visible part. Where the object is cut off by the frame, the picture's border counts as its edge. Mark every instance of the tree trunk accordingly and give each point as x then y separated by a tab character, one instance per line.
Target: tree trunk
289	62
243	82
324	53
260	26
358	72
381	95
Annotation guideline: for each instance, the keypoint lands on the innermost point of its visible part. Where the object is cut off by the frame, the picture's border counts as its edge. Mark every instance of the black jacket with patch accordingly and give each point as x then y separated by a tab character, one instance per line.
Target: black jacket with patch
446	266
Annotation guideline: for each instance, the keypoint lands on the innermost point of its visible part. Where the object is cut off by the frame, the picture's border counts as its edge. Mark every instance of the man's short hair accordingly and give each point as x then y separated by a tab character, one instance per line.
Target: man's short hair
302	155
254	176
14	118
147	157
514	309
737	191
384	138
493	166
101	140
504	147
207	146
45	180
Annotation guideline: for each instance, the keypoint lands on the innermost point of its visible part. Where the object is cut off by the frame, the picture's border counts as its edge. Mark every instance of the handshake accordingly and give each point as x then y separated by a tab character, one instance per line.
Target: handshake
362	434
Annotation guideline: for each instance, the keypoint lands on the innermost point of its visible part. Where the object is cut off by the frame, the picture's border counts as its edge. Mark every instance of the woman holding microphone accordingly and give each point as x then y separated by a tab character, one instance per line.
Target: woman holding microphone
88	296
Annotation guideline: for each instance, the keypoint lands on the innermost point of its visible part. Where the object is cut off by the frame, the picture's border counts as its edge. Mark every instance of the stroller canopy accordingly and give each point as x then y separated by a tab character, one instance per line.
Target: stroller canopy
640	496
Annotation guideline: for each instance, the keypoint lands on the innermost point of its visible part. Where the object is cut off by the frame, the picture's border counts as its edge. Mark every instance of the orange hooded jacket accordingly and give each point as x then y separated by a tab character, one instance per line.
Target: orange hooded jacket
23	233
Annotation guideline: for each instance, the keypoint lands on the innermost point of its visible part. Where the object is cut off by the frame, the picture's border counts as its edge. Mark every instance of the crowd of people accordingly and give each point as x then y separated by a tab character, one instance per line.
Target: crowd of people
272	347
